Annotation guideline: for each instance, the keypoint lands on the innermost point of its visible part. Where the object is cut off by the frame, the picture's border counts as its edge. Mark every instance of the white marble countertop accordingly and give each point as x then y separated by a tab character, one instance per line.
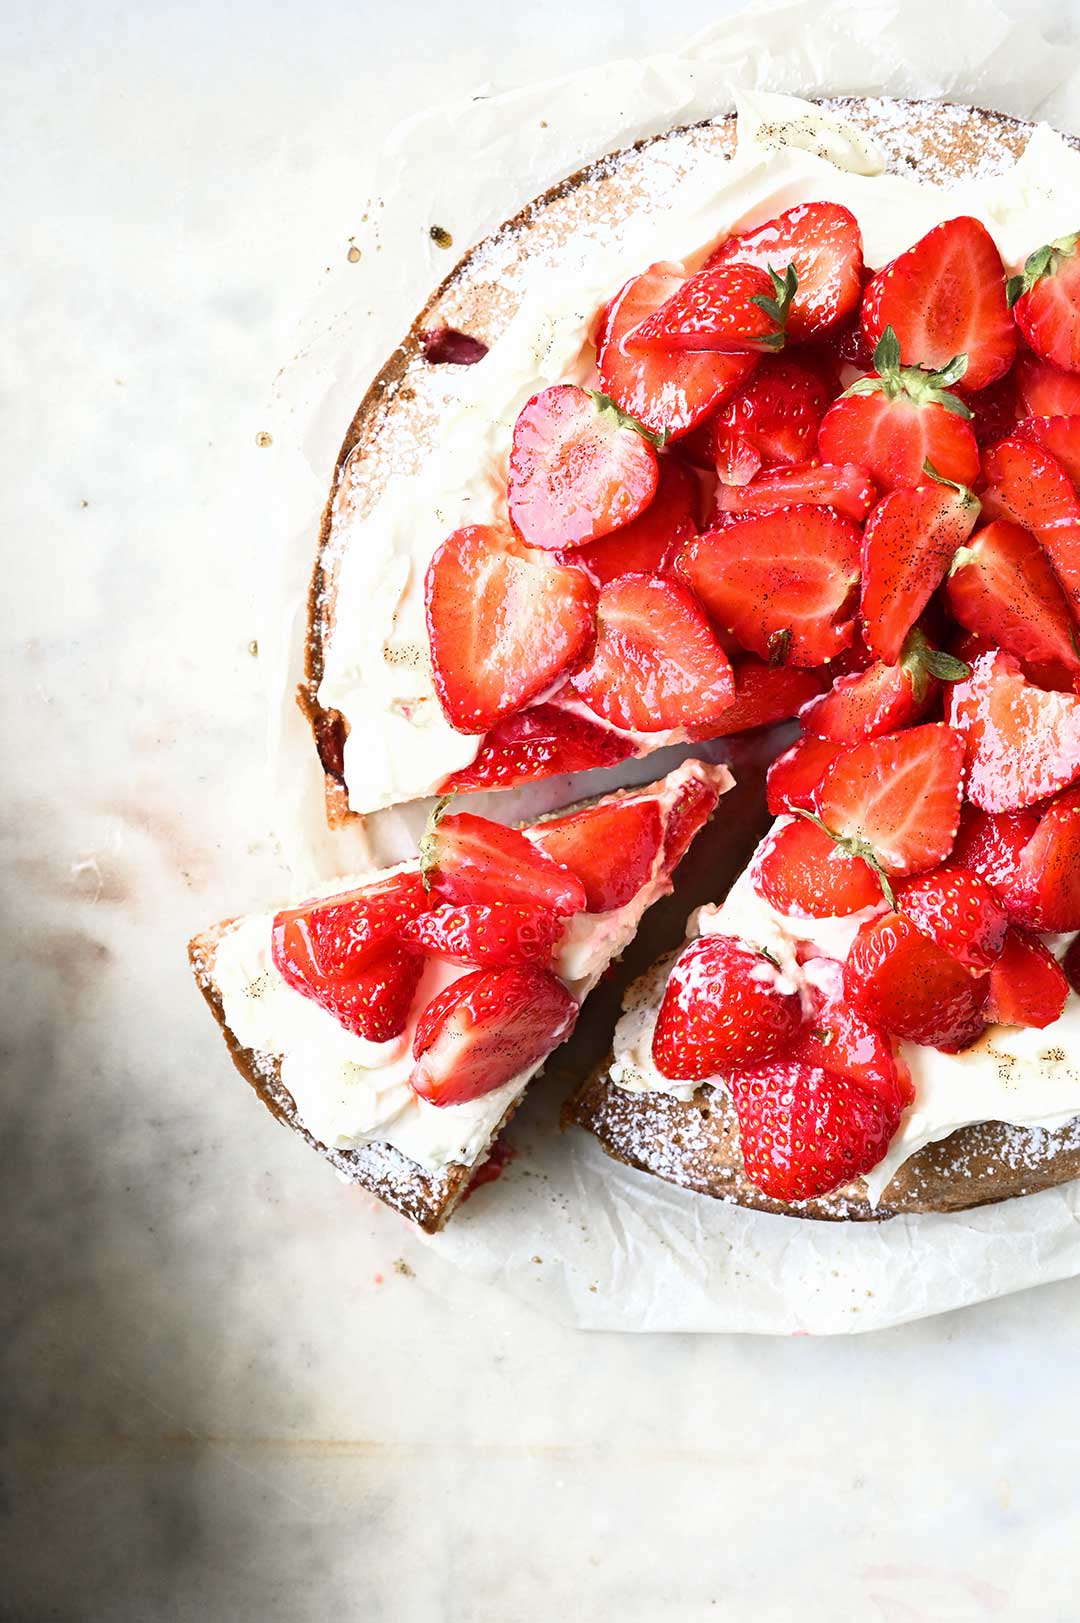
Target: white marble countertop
245	1392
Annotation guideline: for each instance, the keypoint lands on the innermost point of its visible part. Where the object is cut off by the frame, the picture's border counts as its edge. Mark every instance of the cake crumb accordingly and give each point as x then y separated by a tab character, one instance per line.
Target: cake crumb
402	1267
263	439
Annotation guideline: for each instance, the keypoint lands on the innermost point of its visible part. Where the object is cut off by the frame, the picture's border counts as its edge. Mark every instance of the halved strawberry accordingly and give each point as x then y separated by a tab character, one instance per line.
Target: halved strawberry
801	871
902	982
723	308
375	1001
345	932
1071	964
845	488
465	859
488	934
995	411
907	545
725	1005
611	848
648	543
783	583
487	1028
689	812
764	695
836	1038
943	297
1045	390
773	421
1022	482
657	663
899	418
539	742
502	625
1043	891
1027	984
824	243
1022	744
883	698
578	469
793	778
1001	587
991	844
1058	435
669	392
1045	300
959	911
896	800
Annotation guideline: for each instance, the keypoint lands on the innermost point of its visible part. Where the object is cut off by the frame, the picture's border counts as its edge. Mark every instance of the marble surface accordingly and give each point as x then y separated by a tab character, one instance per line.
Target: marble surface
235	1389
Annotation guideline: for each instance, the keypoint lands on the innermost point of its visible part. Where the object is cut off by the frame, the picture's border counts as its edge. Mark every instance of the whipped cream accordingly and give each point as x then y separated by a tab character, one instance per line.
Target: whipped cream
350	1092
1013	1074
377	668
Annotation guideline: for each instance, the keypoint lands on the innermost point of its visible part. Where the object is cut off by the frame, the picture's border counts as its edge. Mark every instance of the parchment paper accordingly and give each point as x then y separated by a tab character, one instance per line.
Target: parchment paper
596	1244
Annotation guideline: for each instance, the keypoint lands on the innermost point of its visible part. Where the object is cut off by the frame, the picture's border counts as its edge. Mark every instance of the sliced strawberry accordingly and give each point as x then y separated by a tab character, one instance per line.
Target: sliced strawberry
959	911
538	743
800	870
943	297
835	1038
446	346
991	844
899	418
896	799
845	488
907	545
1045	300
793	778
647	545
824	243
773	421
489	934
375	1001
1071	964
724	309
468	859
1044	390
883	698
805	1130
1022	744
725	1005
1044	890
900	980
782	583
994	411
669	392
502	625
1001	587
577	469
1022	482
1027	984
764	695
612	848
1058	435
487	1028
345	932
657	663
689	812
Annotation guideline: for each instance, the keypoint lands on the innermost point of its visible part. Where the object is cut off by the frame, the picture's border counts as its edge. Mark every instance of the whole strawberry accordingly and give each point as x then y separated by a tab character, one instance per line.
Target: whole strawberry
725	1005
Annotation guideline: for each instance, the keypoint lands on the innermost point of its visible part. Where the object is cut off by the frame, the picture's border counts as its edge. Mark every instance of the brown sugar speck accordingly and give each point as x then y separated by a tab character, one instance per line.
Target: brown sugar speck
441	237
353	254
263	439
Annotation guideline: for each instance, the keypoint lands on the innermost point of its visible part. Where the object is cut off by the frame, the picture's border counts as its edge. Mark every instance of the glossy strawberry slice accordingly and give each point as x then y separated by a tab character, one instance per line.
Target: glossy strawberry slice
801	871
502	625
539	742
724	1005
1022	482
991	844
943	297
489	934
667	391
835	1038
647	545
824	243
1044	390
1001	587
764	695
611	848
897	799
793	778
1058	435
577	470
899	418
959	911
345	932
1022	744
995	411
691	809
1043	891
907	546
883	698
902	982
1071	964
657	663
1045	300
782	583
1027	984
487	1028
723	308
468	859
375	1001
773	421
845	488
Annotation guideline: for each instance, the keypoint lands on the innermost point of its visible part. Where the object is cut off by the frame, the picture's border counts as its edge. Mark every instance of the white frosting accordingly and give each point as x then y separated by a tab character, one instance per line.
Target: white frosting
377	670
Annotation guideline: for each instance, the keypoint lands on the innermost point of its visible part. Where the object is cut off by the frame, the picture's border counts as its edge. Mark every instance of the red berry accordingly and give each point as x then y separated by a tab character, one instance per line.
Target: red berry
1058	435
1043	891
719	309
1022	482
725	1005
1002	588
991	844
344	932
899	980
882	698
690	811
824	243
538	743
898	797
1021	743
1027	984
959	911
647	545
376	999
488	934
612	848
1046	303
773	421
469	859
487	1028
907	546
801	871
1044	390
793	778
764	695
847	489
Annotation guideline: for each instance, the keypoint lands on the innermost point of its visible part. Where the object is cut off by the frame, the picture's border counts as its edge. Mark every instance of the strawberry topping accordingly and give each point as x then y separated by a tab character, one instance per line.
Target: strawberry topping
731	308
802	870
725	1005
647	545
374	1003
907	546
345	932
490	934
1043	890
774	421
900	980
465	859
1001	587
824	243
1022	482
1045	300
896	800
766	694
611	848
1058	435
959	911
1027	984
845	488
538	743
487	1028
794	777
883	698
1022	744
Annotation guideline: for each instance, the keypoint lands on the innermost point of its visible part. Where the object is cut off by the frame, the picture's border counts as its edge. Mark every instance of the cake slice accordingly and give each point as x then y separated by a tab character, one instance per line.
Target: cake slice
395	1020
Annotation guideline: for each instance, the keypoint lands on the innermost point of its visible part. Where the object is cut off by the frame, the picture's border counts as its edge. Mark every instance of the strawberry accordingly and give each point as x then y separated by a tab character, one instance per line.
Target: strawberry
764	695
773	421
647	544
883	698
345	932
690	810
490	934
901	981
538	743
446	346
579	468
1071	964
959	911
943	297
487	1028
373	1003
783	583
824	243
835	1038
666	391
1043	389
611	848
991	844
466	859
1058	435
1022	482
846	489
657	663
793	778
1028	986
907	545
1045	300
725	1005
994	411
896	800
1001	587
801	870
723	308
1022	744
898	419
1043	891
502	626
806	1130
